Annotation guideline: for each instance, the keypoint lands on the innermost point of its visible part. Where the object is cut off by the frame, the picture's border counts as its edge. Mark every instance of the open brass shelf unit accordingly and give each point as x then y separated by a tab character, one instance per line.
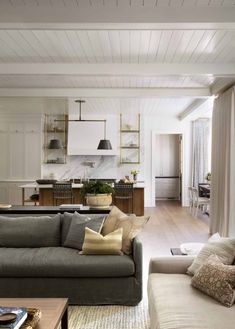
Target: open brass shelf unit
55	129
126	146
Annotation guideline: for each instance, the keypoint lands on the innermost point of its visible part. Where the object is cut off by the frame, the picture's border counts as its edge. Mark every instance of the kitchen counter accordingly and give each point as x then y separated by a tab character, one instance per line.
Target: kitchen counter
74	185
46	195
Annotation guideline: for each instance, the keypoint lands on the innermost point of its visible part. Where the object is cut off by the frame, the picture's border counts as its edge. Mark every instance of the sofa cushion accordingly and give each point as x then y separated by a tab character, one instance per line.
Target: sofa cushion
76	234
132	225
111	220
66	220
61	262
224	248
175	304
216	280
97	244
20	232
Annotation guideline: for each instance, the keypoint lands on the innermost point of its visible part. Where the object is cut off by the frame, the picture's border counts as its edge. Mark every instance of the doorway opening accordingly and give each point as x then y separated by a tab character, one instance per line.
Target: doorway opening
167	167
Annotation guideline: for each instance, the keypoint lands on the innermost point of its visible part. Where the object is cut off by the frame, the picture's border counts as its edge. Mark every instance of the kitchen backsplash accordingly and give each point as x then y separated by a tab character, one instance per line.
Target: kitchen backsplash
90	167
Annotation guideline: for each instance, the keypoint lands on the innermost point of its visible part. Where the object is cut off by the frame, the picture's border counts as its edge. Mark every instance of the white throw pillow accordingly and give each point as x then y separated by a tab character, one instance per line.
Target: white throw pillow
224	248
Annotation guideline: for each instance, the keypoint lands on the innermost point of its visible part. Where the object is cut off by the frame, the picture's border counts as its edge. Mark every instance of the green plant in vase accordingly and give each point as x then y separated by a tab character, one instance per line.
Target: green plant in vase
208	177
134	172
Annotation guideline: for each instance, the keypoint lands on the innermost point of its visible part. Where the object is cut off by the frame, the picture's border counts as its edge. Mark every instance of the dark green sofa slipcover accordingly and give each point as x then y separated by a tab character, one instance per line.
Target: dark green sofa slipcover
56	271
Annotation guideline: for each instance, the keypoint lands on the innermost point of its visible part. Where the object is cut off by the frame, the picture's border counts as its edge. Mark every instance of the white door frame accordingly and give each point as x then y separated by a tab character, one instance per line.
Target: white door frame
170	132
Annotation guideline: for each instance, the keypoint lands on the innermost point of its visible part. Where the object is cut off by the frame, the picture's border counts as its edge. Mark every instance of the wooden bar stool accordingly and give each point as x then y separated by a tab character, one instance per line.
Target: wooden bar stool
123	196
62	191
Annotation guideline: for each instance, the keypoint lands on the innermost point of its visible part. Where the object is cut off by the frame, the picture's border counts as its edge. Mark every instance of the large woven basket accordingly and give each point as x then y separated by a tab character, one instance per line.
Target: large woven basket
98	200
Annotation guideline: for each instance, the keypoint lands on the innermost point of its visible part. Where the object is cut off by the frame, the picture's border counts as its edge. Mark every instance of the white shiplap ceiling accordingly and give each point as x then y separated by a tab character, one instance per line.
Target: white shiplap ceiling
119	46
130	3
60	32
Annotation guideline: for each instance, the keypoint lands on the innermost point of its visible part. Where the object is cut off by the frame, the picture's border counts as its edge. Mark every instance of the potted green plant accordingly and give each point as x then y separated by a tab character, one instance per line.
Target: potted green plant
134	172
98	194
208	177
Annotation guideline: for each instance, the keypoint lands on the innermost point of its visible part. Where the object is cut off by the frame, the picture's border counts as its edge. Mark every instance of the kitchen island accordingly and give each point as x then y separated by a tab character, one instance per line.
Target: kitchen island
46	196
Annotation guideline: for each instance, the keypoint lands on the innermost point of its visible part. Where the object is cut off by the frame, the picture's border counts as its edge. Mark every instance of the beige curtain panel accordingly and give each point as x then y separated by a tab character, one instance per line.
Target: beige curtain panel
222	207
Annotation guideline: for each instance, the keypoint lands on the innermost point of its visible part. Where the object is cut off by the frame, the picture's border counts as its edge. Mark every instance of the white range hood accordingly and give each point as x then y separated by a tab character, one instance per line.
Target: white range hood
84	136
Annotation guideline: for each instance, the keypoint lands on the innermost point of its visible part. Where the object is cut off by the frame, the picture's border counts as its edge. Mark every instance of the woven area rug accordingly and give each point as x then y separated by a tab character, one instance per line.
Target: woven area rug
109	317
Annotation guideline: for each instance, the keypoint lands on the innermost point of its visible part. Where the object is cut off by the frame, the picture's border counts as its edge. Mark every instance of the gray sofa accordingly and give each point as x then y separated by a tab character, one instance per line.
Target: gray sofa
37	265
175	304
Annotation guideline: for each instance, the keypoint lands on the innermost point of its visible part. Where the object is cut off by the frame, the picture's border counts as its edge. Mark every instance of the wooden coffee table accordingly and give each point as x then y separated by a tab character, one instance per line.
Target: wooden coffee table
54	310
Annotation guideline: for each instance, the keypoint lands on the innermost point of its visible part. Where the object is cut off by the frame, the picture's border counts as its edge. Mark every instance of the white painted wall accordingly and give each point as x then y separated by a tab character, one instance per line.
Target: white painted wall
166	124
109	166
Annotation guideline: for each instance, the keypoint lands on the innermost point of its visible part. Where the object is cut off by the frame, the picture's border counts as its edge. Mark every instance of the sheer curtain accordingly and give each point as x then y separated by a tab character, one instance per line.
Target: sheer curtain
223	165
201	132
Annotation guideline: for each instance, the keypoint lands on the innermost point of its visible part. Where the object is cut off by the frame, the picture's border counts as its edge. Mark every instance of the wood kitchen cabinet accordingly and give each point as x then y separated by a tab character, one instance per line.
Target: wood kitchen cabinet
46	199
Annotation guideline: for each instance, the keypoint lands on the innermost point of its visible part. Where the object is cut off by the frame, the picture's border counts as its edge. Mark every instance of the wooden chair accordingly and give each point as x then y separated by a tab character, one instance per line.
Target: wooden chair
62	191
199	202
123	196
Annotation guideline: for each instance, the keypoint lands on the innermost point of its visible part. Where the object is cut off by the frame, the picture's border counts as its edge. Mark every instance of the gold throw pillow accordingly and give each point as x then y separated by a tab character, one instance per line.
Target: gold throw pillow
97	244
132	226
110	221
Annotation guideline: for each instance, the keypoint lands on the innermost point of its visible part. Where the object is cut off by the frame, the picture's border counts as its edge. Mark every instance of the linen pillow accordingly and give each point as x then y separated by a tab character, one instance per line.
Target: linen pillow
30	232
224	248
131	225
76	232
97	244
216	280
111	219
66	220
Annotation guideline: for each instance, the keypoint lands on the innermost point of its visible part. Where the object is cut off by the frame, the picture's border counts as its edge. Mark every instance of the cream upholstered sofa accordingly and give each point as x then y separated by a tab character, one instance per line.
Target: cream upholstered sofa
175	304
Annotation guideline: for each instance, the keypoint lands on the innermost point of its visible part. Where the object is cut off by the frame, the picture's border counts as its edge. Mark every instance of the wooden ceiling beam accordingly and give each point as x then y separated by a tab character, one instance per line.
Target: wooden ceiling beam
107	92
119	69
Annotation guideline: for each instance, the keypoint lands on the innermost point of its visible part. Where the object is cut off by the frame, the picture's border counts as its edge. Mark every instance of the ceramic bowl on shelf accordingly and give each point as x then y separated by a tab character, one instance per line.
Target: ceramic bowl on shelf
45	181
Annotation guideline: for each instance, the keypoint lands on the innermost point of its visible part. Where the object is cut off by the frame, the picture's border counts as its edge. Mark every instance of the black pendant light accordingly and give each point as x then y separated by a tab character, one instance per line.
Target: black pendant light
104	144
55	144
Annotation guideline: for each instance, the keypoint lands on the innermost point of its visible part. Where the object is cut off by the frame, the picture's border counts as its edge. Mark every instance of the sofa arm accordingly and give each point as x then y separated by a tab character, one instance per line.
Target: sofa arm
137	257
170	264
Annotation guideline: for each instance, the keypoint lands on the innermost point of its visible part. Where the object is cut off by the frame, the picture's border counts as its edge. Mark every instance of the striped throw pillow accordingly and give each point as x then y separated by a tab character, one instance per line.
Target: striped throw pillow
97	244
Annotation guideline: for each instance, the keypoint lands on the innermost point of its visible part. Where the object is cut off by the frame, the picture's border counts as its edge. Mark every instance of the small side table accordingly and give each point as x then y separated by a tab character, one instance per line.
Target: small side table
176	252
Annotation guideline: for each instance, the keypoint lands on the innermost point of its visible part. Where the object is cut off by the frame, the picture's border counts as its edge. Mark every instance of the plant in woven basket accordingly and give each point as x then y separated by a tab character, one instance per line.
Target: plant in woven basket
98	194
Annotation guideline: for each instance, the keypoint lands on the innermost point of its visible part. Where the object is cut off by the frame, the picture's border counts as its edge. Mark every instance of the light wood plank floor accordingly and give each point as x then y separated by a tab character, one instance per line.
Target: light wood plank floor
168	227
